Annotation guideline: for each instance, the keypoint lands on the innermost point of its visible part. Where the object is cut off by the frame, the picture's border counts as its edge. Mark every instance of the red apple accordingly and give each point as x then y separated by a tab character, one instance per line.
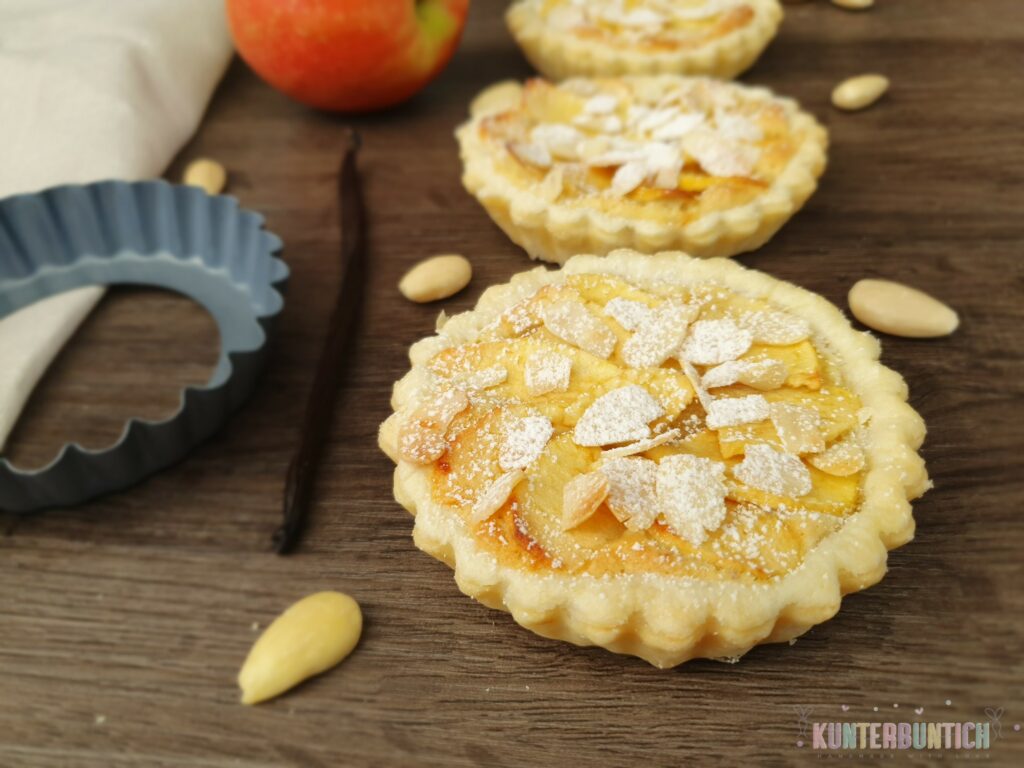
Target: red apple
347	55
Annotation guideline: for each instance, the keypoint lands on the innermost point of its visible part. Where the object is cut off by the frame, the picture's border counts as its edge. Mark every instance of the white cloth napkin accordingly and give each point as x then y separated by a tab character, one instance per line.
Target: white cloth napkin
90	90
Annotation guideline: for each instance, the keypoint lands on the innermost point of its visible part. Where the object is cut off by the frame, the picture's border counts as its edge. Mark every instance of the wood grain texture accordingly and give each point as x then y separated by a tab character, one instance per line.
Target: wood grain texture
124	622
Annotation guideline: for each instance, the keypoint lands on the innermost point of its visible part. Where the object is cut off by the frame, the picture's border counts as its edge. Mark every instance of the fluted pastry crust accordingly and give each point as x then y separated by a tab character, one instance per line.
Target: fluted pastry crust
731	46
661	618
588	222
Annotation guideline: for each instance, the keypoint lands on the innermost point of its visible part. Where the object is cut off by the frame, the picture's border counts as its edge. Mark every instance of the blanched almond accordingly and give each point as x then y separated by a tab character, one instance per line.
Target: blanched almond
436	278
310	637
208	175
853	5
900	310
859	92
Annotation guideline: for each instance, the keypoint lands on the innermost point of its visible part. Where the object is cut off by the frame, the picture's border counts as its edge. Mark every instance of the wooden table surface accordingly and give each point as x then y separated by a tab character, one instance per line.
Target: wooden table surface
123	622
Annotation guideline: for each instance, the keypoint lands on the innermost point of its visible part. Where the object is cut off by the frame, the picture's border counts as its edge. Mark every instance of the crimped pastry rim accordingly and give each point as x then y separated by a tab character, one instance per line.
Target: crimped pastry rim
557	231
558	55
663	619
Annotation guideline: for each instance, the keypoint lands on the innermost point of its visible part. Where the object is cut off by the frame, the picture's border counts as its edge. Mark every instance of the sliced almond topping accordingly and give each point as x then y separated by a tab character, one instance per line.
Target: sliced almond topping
494	498
774	472
631	491
551	188
798	427
601	104
694	378
531	154
659	336
572	322
733	411
678	127
520	318
628	177
484	378
581	498
764	374
561	140
627	313
716	341
641	446
769	327
720	156
547	372
619	416
843	458
421	439
691	495
525	439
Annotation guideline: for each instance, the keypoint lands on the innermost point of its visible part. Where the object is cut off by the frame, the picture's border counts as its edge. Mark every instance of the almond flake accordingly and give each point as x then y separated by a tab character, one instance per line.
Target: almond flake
762	374
798	427
484	378
494	498
601	104
627	313
766	469
691	495
777	328
738	127
572	322
421	439
733	411
520	317
628	177
664	164
719	156
651	120
678	127
547	372
525	440
716	341
642	446
640	17
659	336
561	140
551	188
581	498
631	491
843	458
531	154
694	378
619	416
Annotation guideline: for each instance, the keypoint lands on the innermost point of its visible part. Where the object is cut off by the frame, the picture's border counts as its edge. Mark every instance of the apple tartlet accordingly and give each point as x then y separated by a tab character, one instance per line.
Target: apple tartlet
649	163
605	38
665	456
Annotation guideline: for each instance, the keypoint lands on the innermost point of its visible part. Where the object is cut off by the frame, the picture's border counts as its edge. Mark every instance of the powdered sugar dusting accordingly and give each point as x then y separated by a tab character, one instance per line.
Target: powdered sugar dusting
622	415
733	411
572	322
629	314
716	341
525	439
771	327
631	491
773	471
547	371
659	336
691	495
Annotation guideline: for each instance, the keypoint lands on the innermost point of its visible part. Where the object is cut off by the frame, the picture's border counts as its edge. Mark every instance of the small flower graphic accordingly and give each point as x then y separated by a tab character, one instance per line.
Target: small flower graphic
802	714
994	714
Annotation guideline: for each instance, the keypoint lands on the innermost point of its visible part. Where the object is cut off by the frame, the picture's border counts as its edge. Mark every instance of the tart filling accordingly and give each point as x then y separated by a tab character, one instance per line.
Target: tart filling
591	165
564	38
665	434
